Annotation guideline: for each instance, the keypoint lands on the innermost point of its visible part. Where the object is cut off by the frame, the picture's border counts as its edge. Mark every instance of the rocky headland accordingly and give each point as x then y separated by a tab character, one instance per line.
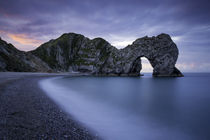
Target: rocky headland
76	53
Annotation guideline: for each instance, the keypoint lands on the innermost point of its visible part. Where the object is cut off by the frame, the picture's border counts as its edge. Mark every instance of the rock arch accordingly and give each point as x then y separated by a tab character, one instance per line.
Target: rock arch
161	52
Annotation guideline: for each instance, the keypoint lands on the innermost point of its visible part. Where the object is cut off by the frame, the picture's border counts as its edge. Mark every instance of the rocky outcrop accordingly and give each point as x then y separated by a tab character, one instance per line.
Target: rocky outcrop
161	52
12	59
75	52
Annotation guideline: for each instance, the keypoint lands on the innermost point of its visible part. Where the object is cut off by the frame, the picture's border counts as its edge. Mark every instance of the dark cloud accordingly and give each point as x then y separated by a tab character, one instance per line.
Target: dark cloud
118	21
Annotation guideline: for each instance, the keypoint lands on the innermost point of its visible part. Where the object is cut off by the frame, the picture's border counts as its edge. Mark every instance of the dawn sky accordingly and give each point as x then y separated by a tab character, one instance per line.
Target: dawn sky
28	23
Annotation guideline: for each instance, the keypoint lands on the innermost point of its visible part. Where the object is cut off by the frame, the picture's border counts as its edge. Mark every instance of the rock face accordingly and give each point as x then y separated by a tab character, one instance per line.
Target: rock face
161	52
75	52
12	59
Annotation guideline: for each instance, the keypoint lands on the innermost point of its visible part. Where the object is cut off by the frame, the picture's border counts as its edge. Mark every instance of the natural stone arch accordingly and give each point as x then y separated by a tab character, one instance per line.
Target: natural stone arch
161	52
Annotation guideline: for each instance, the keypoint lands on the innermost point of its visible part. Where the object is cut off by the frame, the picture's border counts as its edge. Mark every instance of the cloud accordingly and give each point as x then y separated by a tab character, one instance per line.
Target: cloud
25	40
22	41
176	38
120	41
194	67
146	66
120	23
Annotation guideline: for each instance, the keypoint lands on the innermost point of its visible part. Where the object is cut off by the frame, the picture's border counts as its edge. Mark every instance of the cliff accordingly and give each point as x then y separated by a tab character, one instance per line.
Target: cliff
75	52
12	59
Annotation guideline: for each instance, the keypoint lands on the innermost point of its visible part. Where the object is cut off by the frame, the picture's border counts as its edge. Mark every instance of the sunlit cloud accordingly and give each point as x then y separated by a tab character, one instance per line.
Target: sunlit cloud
176	38
120	41
21	41
121	44
24	39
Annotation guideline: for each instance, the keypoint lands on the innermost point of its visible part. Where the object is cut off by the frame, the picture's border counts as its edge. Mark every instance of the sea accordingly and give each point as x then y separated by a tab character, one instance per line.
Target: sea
136	108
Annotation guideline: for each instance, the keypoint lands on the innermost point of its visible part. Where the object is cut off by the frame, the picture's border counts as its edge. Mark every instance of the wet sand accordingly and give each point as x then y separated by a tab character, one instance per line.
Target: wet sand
26	112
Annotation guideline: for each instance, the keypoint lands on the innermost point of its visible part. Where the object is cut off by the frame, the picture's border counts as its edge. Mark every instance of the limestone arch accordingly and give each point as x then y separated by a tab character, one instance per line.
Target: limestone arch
160	51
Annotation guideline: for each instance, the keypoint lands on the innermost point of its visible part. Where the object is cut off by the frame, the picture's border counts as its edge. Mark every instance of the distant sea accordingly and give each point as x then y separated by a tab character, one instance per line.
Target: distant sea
137	108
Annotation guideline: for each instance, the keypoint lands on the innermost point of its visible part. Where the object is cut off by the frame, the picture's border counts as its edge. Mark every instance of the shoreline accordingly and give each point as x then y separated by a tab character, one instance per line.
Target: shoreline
28	113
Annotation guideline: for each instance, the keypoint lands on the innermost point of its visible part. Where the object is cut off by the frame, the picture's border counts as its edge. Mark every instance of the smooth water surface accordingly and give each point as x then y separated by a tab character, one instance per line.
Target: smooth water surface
134	108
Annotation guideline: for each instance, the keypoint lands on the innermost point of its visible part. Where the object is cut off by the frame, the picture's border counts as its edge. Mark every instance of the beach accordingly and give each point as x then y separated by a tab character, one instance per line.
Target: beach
28	113
71	106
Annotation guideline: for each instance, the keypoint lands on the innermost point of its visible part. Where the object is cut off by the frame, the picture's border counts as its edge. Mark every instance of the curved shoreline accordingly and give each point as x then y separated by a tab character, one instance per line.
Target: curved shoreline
28	113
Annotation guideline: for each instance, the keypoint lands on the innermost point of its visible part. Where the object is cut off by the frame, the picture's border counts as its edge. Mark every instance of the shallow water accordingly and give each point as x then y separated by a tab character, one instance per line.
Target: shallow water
133	108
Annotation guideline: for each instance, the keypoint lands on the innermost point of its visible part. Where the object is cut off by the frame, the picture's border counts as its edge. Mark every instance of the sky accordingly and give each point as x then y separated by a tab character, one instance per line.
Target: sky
29	23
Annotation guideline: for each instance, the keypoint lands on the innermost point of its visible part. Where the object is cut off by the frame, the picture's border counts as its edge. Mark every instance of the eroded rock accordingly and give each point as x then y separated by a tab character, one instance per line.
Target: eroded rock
11	59
75	52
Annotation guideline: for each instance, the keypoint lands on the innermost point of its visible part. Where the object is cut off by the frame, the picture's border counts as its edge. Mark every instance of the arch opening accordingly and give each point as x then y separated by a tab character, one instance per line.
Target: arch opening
147	68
